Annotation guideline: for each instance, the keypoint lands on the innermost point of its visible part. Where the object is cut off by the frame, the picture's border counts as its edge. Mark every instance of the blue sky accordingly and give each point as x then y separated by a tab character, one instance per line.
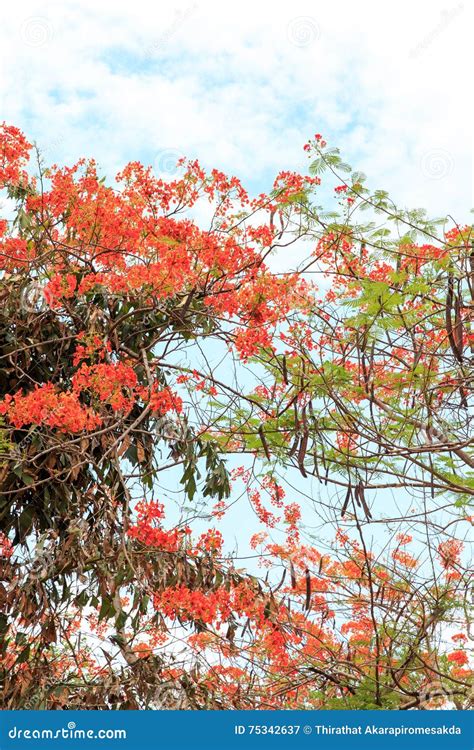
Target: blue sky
242	87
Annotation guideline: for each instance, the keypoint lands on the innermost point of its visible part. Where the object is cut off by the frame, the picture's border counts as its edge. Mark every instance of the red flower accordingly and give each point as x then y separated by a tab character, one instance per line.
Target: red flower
458	657
46	406
449	552
165	400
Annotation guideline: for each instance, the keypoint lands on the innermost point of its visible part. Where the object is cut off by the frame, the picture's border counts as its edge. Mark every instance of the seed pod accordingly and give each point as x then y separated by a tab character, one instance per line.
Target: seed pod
293	575
302	452
294	446
357	495
264	442
272	214
367	512
449	322
302	375
281	582
315	461
471	274
346	501
458	326
308	590
297	421
231	632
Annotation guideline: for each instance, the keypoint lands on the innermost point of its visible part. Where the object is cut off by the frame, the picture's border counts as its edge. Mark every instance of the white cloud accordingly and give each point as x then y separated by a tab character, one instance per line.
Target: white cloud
242	87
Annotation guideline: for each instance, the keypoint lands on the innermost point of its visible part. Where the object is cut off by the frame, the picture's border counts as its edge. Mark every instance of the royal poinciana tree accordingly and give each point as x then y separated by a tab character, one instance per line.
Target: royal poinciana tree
159	374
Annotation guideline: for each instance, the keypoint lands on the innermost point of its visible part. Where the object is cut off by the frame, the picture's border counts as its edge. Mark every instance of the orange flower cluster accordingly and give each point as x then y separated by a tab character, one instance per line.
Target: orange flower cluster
14	155
46	406
154	535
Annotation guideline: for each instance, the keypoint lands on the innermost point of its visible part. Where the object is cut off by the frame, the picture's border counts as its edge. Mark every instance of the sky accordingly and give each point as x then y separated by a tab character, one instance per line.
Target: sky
243	86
